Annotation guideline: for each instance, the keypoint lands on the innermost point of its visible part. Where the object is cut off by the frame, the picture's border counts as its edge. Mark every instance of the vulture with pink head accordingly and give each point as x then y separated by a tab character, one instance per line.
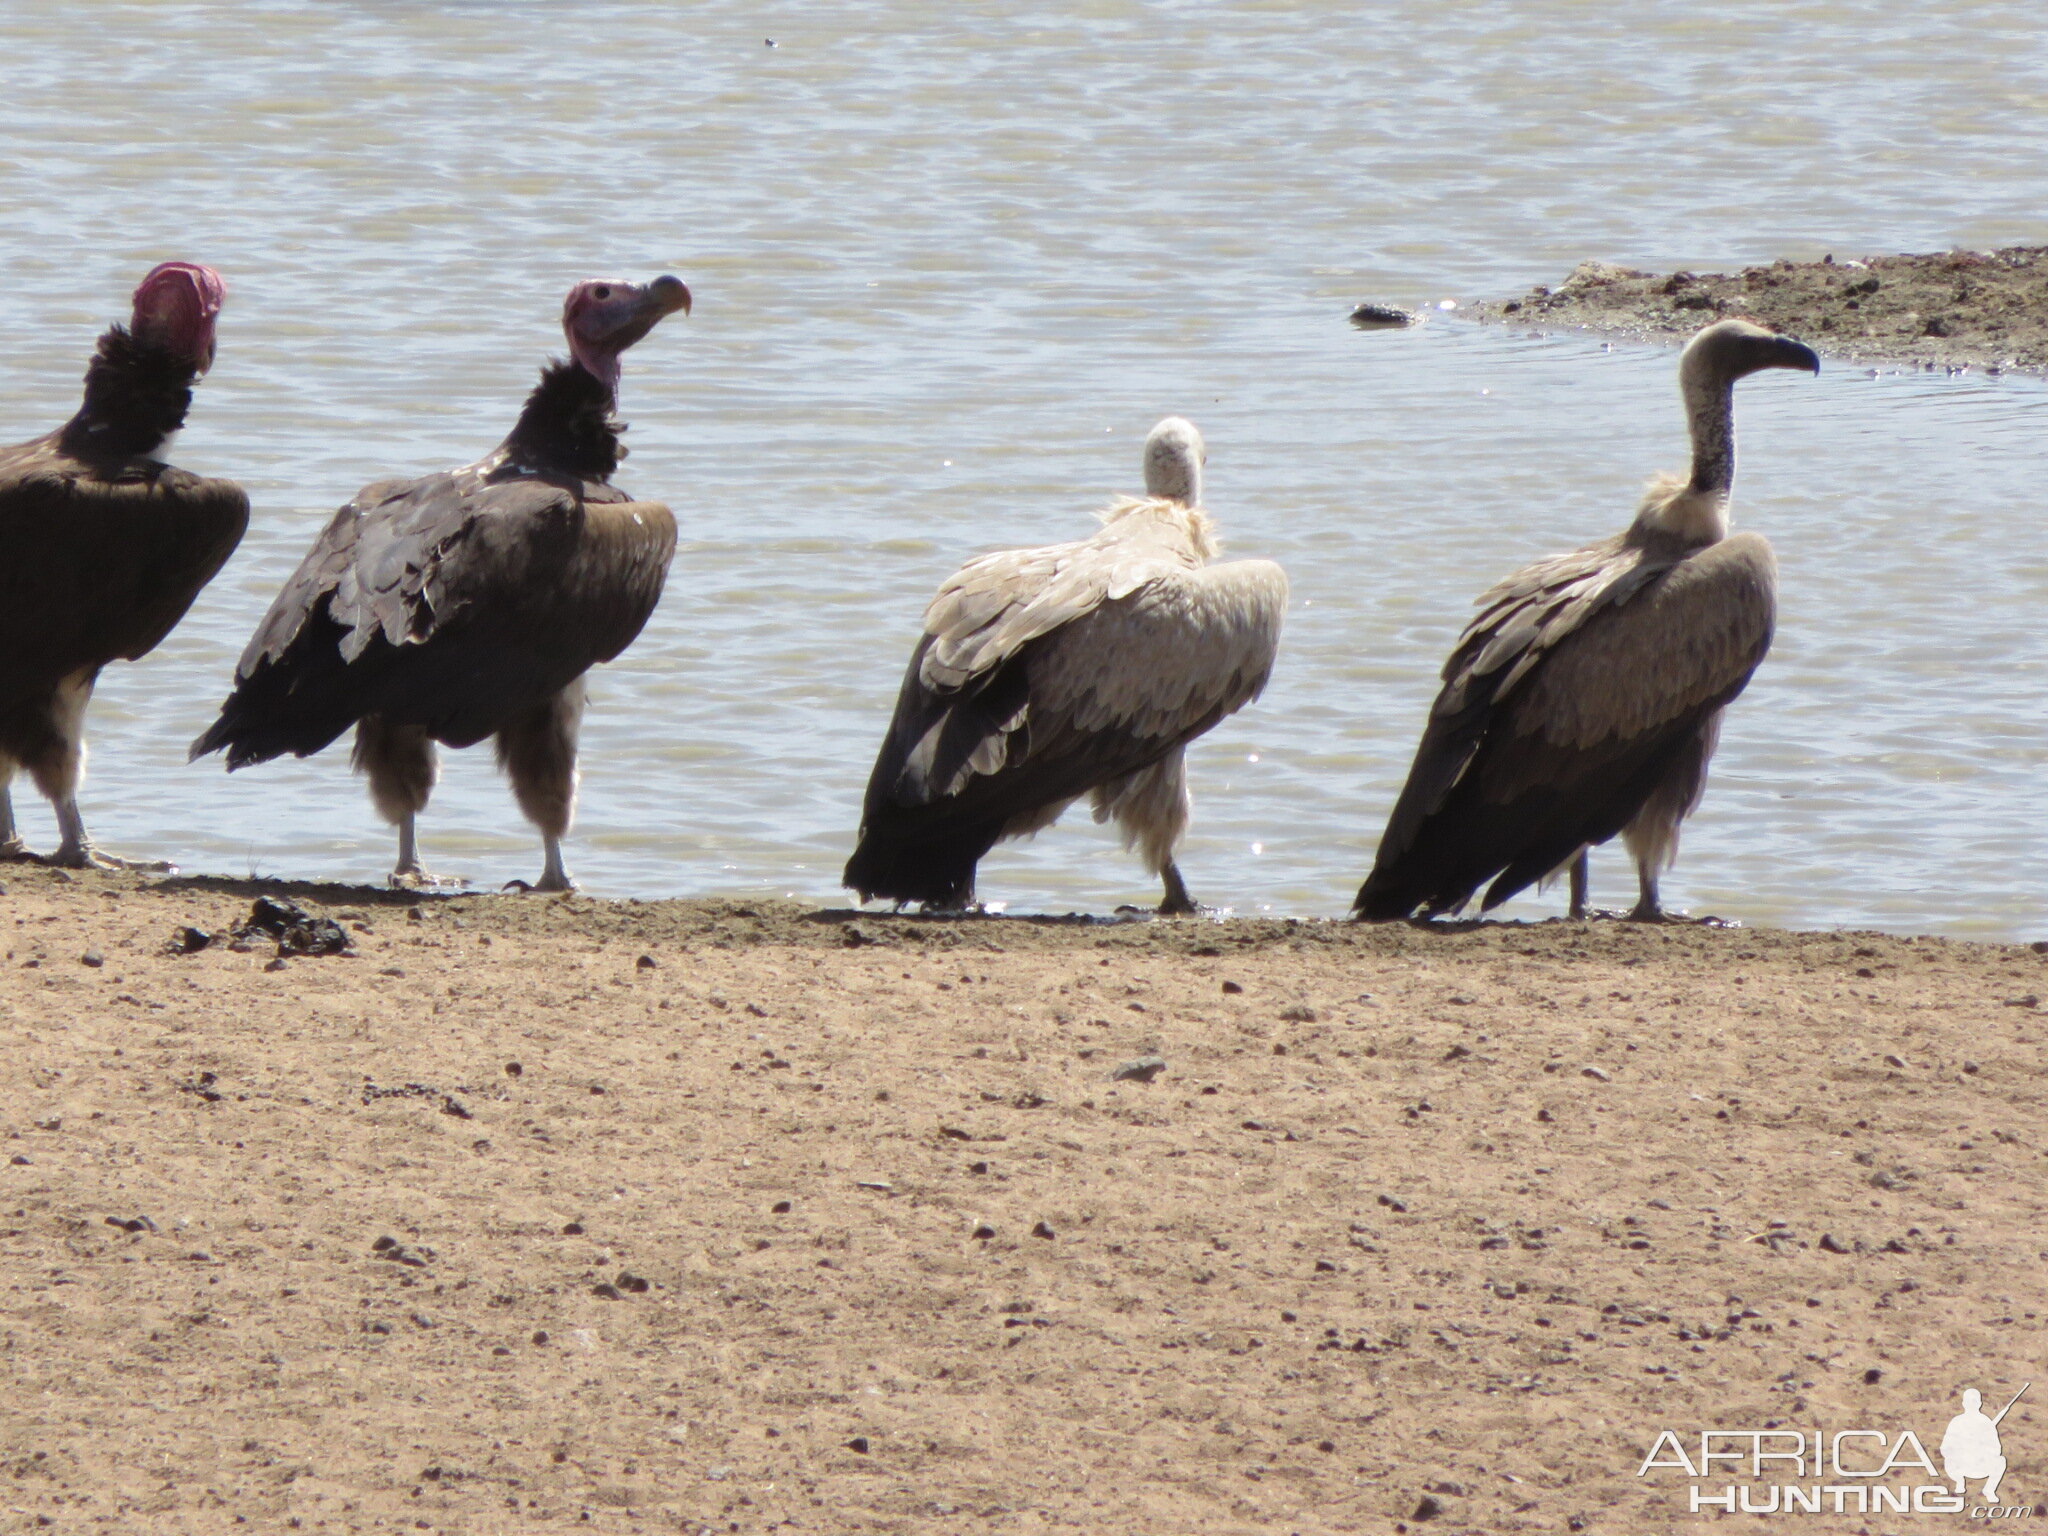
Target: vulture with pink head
103	546
470	603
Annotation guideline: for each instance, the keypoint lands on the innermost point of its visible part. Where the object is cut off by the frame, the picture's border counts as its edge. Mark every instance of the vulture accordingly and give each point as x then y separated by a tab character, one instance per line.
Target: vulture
1586	697
103	546
1074	669
470	603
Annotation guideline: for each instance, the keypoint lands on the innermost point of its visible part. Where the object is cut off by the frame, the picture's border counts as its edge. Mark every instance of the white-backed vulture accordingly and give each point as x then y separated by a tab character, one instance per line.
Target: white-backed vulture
1586	697
1047	674
470	603
103	546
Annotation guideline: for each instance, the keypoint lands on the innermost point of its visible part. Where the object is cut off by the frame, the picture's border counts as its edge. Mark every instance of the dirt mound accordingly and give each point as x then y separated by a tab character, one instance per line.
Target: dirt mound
1951	309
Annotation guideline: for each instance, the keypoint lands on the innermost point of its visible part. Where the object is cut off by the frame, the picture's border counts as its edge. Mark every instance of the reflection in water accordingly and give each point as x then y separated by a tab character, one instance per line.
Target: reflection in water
948	274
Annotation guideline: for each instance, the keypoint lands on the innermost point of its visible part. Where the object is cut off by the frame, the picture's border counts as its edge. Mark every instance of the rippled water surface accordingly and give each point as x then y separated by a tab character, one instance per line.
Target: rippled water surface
950	265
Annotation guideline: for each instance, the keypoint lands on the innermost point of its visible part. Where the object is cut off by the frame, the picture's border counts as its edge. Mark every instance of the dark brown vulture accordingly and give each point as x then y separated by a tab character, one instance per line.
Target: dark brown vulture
470	603
1586	697
1048	674
103	546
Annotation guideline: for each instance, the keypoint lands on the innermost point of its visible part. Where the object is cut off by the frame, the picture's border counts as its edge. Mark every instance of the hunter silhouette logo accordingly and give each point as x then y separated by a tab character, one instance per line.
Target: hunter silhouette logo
1850	1471
1971	1447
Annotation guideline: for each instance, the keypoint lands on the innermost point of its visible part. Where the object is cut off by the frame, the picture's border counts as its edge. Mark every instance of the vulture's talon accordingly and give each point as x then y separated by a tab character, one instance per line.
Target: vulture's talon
521	886
87	857
15	851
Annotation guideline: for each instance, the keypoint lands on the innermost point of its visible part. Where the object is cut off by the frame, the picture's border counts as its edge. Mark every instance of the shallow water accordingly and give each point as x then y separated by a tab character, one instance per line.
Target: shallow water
948	272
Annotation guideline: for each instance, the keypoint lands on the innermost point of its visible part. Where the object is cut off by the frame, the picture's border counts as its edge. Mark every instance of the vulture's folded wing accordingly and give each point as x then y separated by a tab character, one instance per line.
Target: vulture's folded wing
1511	782
1155	662
95	570
445	602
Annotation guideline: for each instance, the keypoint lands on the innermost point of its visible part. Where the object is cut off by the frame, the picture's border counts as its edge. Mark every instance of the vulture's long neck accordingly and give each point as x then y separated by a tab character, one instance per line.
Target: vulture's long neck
1710	412
568	427
1695	511
136	396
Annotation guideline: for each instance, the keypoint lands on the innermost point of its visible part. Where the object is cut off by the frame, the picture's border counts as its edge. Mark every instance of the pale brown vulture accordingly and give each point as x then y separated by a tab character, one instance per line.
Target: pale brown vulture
1047	674
470	603
103	546
1586	697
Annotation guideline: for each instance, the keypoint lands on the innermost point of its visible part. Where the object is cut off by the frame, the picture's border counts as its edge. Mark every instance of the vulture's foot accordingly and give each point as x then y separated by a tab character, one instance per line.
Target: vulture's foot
86	856
1175	901
1185	906
1644	912
14	850
541	886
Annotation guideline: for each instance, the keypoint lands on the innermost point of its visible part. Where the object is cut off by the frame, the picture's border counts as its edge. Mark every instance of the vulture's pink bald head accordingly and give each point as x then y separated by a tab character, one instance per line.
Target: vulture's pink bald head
603	317
175	308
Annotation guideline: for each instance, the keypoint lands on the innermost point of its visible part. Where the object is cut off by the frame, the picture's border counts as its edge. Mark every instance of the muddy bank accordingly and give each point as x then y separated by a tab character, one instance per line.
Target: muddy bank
1949	309
552	1214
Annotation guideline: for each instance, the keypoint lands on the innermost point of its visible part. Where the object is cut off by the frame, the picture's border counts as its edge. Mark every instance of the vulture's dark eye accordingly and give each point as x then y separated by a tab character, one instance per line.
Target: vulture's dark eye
601	292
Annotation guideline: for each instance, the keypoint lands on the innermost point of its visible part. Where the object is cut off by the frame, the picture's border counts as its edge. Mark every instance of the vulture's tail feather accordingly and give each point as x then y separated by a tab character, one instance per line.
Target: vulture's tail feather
926	865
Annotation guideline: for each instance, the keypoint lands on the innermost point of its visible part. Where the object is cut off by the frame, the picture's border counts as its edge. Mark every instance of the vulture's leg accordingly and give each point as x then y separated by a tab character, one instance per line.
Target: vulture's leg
58	765
1153	807
11	844
1652	836
403	769
538	750
1581	880
1178	902
1648	909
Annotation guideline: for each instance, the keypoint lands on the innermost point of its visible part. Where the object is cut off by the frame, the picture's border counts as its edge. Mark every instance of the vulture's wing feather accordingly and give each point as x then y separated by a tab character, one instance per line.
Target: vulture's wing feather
1170	658
97	569
1561	709
448	602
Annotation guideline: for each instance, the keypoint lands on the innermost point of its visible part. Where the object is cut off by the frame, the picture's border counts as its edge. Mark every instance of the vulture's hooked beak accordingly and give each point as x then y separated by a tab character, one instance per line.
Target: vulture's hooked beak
1799	355
670	293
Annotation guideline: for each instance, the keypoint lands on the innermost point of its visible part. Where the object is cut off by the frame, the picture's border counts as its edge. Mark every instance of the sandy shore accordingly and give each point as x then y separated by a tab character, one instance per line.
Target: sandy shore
1948	309
553	1214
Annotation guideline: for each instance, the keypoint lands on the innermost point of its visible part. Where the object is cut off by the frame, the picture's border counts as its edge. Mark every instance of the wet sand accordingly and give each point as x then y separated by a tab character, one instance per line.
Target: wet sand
1948	309
559	1213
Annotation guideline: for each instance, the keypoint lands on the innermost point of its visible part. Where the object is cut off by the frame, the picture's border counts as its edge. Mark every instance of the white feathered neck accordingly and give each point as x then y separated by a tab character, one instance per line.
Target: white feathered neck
1193	523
